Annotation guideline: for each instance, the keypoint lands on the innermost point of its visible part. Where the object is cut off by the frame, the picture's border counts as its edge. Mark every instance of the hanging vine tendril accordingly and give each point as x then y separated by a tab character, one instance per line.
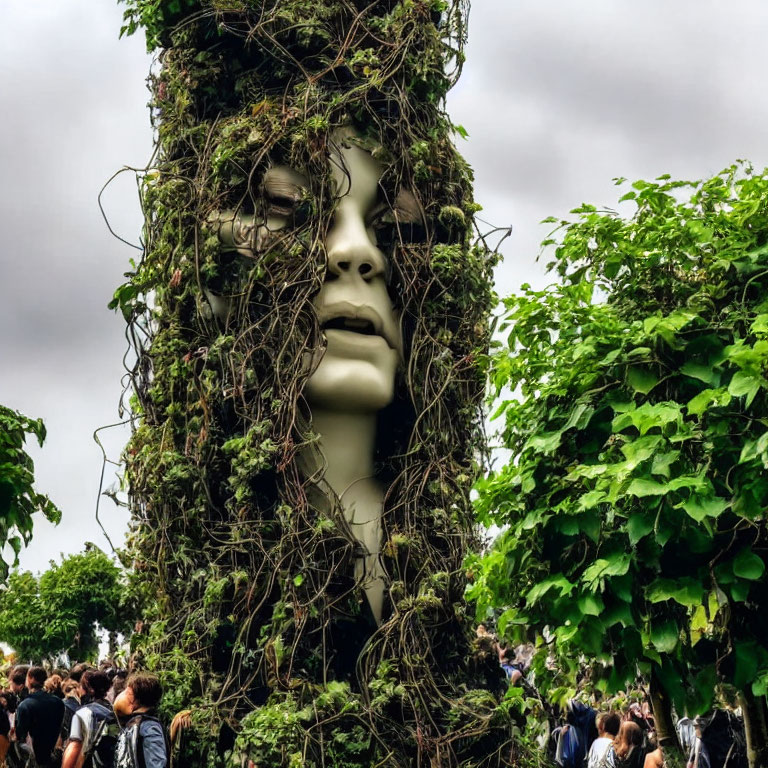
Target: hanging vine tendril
254	617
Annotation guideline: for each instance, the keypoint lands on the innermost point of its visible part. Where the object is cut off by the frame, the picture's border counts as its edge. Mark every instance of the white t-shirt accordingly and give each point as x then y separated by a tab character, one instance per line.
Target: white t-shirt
600	749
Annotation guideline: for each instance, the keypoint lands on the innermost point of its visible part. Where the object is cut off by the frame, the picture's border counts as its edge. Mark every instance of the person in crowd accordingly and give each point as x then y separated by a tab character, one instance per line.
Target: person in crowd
94	729
627	748
53	686
575	738
608	724
17	681
39	716
77	671
511	668
5	725
142	741
118	685
71	690
654	759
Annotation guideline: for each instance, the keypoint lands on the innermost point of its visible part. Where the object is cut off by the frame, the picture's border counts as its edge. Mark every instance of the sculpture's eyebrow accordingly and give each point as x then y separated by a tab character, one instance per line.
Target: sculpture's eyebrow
405	207
284	182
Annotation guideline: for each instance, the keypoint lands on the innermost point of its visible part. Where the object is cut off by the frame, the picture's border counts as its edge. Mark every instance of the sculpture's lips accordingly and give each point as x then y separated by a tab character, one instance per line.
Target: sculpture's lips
361	319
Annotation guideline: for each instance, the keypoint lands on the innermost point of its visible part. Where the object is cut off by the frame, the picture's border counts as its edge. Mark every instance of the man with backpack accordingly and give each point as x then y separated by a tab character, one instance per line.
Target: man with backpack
73	699
94	730
38	717
574	739
142	741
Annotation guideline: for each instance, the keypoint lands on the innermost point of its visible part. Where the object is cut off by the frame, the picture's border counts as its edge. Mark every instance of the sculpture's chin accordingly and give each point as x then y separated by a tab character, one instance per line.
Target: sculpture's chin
354	376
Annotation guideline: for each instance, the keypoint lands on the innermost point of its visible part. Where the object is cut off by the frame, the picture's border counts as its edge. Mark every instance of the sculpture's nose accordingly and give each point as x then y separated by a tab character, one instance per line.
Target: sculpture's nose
350	247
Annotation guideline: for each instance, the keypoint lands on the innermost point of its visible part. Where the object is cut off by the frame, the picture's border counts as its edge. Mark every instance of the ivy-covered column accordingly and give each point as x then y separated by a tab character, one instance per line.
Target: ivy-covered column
254	615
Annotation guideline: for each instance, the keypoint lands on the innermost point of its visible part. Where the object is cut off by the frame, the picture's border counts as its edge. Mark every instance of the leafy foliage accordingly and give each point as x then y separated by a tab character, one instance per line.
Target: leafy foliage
254	612
633	504
18	498
61	611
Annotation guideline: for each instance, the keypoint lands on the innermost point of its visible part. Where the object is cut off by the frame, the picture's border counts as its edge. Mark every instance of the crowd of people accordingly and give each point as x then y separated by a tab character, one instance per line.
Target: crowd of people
627	739
621	733
85	717
89	717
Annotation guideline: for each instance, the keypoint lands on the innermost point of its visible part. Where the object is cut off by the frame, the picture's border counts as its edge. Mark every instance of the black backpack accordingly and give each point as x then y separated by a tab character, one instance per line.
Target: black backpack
724	738
101	751
71	706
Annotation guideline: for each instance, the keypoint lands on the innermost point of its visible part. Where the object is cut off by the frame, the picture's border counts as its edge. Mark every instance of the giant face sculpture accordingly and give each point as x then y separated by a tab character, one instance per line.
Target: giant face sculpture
253	485
353	376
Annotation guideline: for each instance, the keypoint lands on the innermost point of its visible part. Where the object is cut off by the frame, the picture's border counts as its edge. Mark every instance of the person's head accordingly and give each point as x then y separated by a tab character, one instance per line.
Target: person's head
9	701
142	692
70	687
18	678
118	682
77	671
608	724
36	677
630	735
94	683
53	685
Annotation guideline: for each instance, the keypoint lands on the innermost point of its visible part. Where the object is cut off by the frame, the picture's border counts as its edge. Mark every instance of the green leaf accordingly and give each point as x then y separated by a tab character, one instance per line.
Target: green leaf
557	581
641	379
686	591
591	605
705	373
760	685
639	450
744	383
665	635
754	449
591	499
616	564
546	442
760	324
748	565
746	657
638	526
662	463
699	507
579	417
708	398
643	486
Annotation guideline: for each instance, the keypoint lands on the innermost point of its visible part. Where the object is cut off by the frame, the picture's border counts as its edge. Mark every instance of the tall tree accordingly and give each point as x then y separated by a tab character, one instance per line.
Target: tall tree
634	501
18	498
63	610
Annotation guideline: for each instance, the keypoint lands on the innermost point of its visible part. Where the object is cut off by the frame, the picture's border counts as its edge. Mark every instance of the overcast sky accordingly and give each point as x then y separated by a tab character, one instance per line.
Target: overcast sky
558	97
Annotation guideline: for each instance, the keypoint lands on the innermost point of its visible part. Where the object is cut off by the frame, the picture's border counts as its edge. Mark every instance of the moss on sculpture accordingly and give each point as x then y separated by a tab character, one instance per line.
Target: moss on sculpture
254	618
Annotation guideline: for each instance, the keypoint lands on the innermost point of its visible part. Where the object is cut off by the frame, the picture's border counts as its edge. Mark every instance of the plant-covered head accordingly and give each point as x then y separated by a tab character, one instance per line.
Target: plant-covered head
306	182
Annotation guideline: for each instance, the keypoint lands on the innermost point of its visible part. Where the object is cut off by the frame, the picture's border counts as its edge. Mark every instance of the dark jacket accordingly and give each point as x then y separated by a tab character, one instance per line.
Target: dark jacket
40	716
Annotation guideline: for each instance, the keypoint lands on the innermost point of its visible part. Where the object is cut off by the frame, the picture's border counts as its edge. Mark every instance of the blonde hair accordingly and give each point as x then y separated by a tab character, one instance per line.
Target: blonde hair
53	685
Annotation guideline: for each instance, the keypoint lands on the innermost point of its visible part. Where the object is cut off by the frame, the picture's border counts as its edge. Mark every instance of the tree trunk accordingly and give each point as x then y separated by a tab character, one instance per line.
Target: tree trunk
662	716
756	728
